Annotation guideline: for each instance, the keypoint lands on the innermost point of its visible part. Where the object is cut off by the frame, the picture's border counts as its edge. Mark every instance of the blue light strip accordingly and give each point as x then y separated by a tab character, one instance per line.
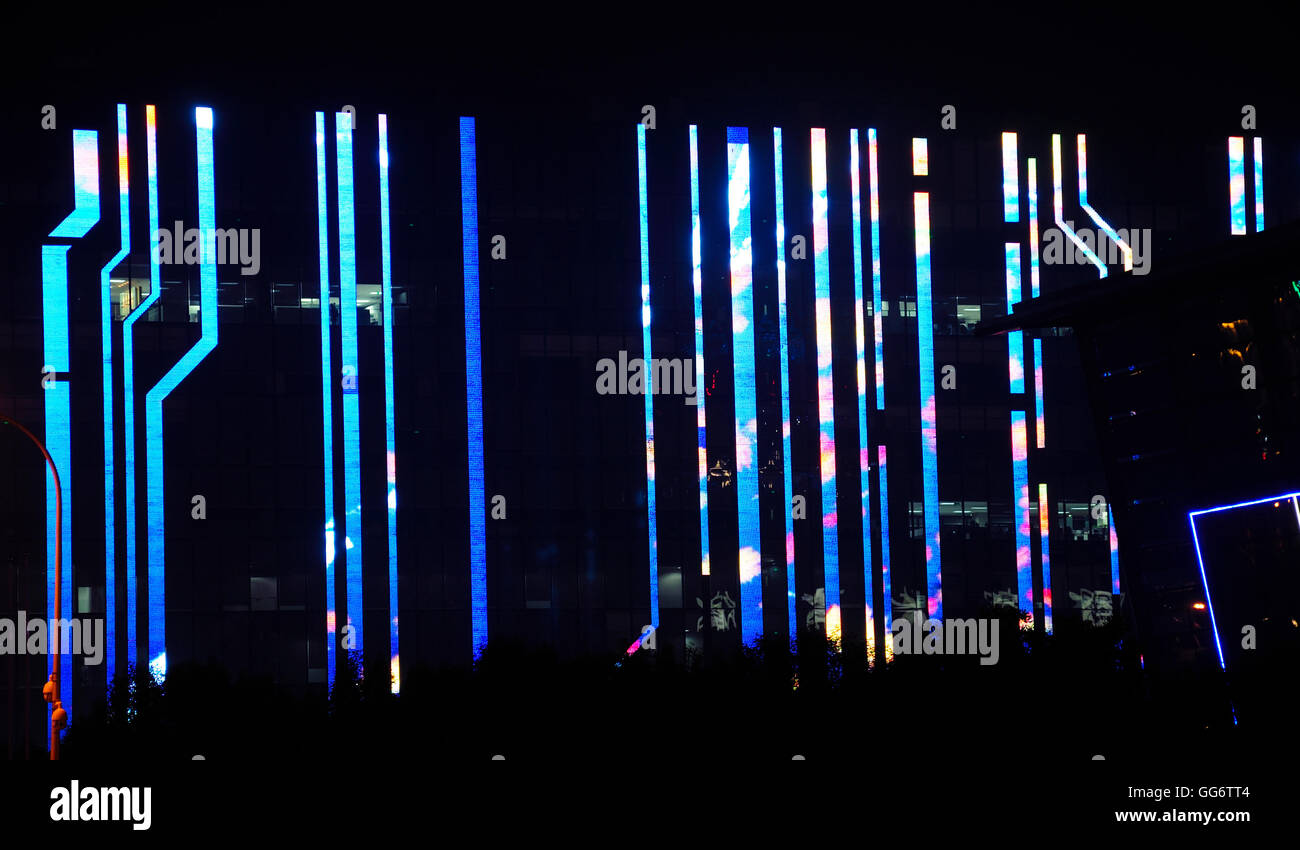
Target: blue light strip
350	527
128	387
887	596
390	418
58	401
327	392
876	295
929	420
825	383
1200	561
106	340
1237	184
1114	551
1015	339
1010	180
787	529
1093	214
474	384
697	282
1058	208
157	551
652	523
1259	184
1020	496
864	441
746	384
1040	420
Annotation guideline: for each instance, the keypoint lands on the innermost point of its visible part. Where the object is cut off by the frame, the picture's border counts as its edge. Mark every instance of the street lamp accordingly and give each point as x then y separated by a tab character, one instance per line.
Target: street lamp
50	691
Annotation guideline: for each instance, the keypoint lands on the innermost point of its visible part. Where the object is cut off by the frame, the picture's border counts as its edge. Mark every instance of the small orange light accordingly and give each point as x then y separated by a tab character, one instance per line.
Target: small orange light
1199	606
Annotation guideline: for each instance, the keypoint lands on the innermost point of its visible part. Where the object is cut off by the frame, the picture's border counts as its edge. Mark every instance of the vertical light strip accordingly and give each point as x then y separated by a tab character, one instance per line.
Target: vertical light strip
1020	476
157	551
697	282
106	348
353	562
327	391
652	523
1058	208
1114	550
1093	214
58	401
1010	179
787	529
864	441
1259	184
128	384
1040	419
887	595
1237	184
746	384
929	419
1044	536
920	157
1015	339
390	419
473	385
876	296
1032	176
825	385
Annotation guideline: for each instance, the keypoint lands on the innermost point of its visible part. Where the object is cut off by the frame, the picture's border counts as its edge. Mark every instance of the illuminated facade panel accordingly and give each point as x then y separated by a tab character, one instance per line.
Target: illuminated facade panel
1259	184
157	544
106	361
390	418
1044	537
864	442
1040	419
1058	208
746	383
1020	481
327	392
1237	185
929	419
877	310
350	526
1010	180
1031	175
474	385
825	385
1093	214
887	597
697	282
651	521
787	529
1015	339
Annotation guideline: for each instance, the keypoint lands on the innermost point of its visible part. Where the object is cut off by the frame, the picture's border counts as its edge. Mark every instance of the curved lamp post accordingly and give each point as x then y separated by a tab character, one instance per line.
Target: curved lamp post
59	717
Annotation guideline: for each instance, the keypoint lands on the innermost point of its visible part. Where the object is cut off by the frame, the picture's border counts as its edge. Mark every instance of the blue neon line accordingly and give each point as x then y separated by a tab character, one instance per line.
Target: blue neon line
876	292
1259	184
697	283
390	418
58	441
353	561
106	340
327	392
474	385
787	529
157	551
651	516
929	419
864	441
825	379
1237	184
1245	504
1214	624
749	536
128	386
